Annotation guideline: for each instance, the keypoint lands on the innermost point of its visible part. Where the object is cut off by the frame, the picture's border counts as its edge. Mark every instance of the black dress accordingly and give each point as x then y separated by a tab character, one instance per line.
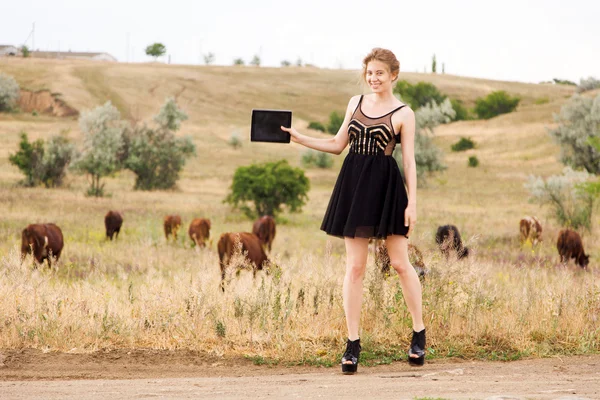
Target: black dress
369	197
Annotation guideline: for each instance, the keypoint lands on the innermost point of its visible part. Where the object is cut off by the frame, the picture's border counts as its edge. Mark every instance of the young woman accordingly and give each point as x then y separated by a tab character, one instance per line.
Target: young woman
369	199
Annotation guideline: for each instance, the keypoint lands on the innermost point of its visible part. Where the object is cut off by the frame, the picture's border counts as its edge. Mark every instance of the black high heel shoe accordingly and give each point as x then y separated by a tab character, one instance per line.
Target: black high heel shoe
417	347
352	354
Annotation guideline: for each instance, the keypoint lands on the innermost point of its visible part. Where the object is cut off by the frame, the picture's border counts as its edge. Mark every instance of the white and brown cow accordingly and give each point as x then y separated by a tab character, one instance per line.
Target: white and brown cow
531	230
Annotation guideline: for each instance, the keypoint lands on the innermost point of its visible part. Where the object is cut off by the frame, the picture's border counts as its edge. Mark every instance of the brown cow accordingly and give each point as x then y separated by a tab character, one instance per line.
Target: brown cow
569	246
44	240
199	231
382	258
113	220
172	223
244	243
264	228
531	230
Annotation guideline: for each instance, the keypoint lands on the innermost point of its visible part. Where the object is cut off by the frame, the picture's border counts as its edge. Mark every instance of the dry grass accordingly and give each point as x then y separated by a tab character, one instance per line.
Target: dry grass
505	302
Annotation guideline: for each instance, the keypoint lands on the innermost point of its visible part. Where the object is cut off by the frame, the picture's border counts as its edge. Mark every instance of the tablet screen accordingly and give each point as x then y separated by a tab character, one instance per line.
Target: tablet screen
266	126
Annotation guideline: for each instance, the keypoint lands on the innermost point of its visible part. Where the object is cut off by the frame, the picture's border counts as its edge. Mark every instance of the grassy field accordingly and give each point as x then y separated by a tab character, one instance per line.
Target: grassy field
505	302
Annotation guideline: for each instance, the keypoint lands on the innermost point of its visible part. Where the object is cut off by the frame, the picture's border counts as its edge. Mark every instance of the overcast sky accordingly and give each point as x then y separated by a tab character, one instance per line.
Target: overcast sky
524	40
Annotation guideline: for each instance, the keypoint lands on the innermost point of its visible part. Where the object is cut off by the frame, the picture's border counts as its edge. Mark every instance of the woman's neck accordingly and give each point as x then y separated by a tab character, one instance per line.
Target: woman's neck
383	97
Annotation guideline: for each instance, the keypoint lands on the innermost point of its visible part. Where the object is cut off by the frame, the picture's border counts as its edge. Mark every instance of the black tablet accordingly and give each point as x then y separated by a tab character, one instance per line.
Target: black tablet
266	126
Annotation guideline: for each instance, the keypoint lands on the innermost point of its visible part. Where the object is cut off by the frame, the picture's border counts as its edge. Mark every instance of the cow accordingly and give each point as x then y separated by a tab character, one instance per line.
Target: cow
171	225
531	230
382	258
44	240
448	239
113	220
264	228
245	243
569	246
199	231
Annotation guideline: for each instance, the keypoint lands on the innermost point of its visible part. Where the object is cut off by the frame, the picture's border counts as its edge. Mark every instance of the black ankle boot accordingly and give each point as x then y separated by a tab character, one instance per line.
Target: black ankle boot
352	354
417	347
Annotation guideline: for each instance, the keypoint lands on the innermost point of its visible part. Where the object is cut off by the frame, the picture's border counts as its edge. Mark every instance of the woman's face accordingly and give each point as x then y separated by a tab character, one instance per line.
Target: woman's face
378	76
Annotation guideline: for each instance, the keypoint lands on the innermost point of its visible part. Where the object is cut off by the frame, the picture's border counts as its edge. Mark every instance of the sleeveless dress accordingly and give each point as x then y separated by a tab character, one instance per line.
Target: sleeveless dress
369	197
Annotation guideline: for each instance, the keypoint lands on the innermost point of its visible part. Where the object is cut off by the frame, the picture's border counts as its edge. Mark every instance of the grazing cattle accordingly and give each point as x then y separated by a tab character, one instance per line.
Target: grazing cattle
199	231
569	246
264	228
44	240
247	244
382	258
448	239
531	230
172	224
113	220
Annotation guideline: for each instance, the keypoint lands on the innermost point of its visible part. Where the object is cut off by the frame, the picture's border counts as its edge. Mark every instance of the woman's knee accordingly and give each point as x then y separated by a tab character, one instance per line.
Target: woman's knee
400	266
356	272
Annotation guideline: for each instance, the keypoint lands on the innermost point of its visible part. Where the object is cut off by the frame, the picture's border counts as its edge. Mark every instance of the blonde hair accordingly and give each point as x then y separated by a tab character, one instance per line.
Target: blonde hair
385	56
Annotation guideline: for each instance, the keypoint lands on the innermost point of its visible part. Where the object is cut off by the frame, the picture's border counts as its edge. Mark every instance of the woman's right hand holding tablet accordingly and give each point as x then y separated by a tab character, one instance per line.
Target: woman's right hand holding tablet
295	135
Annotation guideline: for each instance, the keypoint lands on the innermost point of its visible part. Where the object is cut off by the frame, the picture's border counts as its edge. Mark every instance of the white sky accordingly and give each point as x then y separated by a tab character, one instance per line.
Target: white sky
525	40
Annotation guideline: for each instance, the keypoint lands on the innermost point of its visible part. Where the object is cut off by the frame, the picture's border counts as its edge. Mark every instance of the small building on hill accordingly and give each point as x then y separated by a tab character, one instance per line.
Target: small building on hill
8	50
73	55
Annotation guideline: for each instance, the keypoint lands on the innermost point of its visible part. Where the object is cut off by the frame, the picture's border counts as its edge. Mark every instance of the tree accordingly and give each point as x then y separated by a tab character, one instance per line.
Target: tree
238	61
285	63
268	187
434	65
255	61
29	159
570	196
156	50
209	58
25	51
9	92
157	156
418	95
496	103
443	68
578	128
102	143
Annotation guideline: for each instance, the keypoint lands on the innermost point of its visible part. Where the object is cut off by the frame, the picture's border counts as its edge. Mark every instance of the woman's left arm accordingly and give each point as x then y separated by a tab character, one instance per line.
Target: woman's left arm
407	136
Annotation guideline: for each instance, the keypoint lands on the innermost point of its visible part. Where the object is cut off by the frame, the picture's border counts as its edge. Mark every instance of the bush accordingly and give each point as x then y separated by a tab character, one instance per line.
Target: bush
318	159
268	186
25	51
461	112
238	61
542	100
463	144
234	140
336	120
43	163
317	126
473	161
571	196
255	61
590	83
564	82
419	95
102	142
432	115
495	103
9	92
156	50
285	63
578	123
157	156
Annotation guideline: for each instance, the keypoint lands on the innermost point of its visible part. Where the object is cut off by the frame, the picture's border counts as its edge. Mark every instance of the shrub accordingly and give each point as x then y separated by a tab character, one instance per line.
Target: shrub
157	156
285	63
102	141
571	196
495	103
238	61
473	161
432	115
9	92
590	83
460	111
463	144
578	122
542	100
43	163
29	159
336	120
25	51
420	94
255	61
268	187
317	126
564	82
209	58
234	140
318	159
156	50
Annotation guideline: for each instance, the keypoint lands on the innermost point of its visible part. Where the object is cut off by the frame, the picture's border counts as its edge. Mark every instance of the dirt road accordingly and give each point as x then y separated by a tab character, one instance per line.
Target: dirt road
185	375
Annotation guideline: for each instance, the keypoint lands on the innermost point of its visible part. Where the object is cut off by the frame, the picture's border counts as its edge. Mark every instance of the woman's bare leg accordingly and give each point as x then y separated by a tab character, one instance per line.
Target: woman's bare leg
409	280
356	263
